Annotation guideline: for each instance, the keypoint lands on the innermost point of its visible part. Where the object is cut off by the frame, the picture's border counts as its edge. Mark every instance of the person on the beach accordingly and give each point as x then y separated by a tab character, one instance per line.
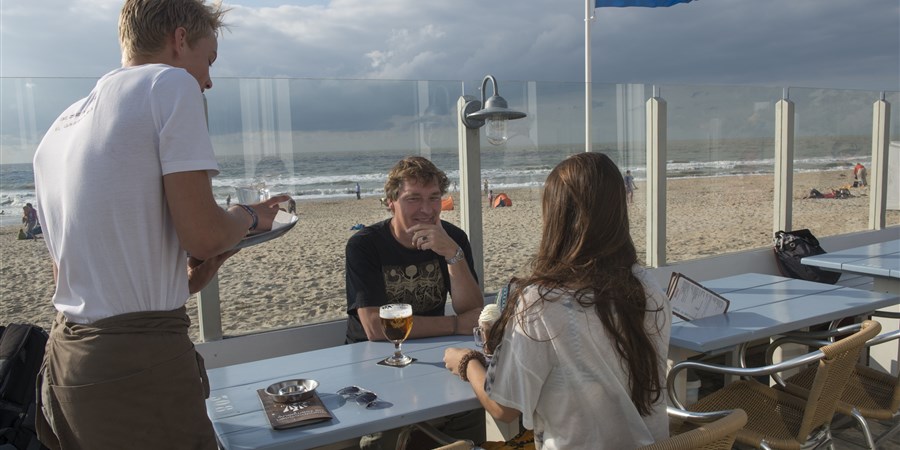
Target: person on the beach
413	257
580	349
357	191
29	220
859	174
491	198
228	201
124	194
629	186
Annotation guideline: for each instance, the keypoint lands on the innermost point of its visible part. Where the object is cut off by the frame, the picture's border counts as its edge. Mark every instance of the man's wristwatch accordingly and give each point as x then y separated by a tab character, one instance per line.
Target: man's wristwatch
457	257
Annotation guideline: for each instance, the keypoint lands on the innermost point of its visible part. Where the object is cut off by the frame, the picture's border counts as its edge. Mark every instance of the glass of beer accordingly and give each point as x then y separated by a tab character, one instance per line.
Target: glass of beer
396	322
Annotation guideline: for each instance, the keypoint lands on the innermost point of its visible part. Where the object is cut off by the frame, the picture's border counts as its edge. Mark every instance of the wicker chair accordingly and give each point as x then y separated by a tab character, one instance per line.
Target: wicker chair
776	419
710	431
869	393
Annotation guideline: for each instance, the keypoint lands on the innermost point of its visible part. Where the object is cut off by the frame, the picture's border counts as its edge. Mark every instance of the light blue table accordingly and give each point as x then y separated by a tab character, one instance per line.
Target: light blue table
881	261
763	306
421	391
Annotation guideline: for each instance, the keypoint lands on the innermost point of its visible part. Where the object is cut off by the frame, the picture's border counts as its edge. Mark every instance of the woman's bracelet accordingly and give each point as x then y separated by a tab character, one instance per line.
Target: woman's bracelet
464	363
252	216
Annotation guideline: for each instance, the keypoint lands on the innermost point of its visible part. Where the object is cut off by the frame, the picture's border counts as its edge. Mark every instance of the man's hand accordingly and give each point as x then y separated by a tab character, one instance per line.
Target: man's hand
201	272
434	238
266	211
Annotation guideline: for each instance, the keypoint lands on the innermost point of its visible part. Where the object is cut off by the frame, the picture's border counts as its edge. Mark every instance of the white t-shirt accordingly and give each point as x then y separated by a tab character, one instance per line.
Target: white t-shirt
565	377
99	183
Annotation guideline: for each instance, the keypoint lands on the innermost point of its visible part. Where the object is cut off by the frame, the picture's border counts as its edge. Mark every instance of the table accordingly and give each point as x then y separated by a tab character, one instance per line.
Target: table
881	261
763	306
422	391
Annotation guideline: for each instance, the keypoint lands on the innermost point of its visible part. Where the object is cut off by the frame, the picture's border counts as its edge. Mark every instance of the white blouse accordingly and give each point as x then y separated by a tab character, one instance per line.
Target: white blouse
561	370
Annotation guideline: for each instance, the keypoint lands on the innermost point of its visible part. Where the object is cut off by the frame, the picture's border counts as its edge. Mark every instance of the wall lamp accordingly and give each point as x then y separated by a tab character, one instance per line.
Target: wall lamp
494	114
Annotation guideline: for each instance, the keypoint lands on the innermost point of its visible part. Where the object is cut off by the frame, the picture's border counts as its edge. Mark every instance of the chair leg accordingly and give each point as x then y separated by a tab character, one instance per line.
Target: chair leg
403	438
864	427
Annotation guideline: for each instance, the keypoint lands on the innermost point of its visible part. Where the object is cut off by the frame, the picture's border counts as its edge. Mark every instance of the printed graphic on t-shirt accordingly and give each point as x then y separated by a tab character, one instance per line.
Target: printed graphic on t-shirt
417	284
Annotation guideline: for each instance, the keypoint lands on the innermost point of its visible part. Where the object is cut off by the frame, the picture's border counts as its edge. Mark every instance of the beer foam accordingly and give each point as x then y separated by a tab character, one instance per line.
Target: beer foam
395	311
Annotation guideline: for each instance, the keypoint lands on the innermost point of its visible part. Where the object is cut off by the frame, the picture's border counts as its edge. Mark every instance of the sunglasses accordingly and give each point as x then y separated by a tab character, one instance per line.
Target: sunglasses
362	397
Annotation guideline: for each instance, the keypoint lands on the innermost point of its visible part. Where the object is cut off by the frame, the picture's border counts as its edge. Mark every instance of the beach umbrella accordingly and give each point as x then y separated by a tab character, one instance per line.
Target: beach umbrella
589	6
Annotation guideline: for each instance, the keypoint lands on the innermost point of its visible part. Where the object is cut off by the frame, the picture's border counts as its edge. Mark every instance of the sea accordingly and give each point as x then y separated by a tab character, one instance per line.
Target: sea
333	175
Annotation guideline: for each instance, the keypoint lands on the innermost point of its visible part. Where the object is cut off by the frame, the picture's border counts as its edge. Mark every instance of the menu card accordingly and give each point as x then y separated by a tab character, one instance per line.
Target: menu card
690	300
289	415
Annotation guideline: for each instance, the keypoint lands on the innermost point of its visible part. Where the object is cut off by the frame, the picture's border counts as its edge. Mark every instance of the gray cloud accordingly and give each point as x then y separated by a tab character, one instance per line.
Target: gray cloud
721	42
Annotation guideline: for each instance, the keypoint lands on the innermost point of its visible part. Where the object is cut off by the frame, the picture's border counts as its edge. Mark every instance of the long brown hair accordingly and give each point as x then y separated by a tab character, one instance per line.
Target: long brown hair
586	248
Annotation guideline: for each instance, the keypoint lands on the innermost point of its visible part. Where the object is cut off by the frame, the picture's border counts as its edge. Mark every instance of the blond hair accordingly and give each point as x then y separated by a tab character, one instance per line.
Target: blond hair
144	25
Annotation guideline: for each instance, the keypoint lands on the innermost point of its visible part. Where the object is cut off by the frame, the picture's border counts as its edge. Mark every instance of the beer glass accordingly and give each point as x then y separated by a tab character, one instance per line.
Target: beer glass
396	322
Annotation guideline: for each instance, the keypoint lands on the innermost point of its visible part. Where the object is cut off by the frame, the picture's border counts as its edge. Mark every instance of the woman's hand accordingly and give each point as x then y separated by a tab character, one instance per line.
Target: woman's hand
452	356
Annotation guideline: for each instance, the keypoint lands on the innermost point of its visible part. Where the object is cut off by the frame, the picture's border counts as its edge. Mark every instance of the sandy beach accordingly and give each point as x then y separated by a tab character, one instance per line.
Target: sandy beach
299	278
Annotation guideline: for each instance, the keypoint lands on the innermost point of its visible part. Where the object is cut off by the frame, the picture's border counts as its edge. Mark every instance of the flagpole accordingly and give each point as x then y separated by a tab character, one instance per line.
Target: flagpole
587	74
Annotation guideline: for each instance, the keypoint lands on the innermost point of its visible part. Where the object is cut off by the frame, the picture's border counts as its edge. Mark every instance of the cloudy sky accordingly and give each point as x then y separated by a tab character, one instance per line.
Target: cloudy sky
853	44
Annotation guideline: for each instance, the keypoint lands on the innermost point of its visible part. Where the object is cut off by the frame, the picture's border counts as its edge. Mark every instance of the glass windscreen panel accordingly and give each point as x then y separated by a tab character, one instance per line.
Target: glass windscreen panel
513	173
29	107
316	140
892	215
832	159
720	169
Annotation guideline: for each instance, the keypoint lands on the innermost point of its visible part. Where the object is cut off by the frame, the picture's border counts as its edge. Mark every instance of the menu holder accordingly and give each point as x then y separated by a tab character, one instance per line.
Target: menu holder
690	300
294	414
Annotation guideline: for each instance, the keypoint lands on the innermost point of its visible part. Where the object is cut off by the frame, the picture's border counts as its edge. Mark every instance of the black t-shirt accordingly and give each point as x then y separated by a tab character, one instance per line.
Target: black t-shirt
380	271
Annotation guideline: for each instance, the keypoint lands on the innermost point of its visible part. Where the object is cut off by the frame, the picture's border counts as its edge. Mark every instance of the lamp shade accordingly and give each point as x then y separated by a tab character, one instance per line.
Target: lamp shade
496	108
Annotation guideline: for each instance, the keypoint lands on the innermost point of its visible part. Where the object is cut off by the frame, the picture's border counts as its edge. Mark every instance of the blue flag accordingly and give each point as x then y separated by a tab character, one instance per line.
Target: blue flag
644	3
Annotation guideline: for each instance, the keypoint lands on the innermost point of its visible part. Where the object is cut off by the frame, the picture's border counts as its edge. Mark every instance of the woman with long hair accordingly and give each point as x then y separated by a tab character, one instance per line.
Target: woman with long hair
580	348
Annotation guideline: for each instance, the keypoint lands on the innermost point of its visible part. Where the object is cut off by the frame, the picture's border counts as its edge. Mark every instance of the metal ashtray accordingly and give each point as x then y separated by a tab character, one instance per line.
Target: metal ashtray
289	391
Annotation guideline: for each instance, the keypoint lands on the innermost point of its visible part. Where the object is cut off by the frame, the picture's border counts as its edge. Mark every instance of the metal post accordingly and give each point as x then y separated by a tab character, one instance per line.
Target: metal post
784	164
209	312
470	188
656	182
878	173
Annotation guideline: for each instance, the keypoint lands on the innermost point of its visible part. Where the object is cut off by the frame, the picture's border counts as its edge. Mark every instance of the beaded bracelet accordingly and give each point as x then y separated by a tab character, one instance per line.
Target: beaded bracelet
252	216
464	363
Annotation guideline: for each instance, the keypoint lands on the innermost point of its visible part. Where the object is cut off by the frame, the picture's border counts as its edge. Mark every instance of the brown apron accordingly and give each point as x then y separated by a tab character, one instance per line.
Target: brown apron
129	381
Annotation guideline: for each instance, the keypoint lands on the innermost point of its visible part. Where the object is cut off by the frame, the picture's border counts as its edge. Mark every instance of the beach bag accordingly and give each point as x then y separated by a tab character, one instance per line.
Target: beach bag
21	355
791	247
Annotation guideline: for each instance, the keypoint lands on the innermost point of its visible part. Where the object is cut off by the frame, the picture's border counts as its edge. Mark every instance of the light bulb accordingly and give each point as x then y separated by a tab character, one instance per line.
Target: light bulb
495	129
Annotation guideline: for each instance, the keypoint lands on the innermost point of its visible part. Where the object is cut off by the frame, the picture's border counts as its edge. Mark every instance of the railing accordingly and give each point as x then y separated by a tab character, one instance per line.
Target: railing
718	169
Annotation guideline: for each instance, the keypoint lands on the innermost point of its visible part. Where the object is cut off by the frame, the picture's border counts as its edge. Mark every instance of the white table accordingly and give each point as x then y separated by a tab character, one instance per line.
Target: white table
424	390
763	306
881	261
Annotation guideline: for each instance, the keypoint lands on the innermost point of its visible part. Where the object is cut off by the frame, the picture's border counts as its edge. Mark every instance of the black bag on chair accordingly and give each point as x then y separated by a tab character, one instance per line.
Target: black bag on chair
21	354
791	247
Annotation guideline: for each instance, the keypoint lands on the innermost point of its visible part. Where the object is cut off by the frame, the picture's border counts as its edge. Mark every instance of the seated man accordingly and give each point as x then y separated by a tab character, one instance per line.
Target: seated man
414	257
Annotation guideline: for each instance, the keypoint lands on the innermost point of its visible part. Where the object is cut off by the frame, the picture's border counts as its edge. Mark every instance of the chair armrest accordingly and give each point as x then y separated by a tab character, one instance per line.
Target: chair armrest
695	416
884	337
743	372
829	334
886	314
